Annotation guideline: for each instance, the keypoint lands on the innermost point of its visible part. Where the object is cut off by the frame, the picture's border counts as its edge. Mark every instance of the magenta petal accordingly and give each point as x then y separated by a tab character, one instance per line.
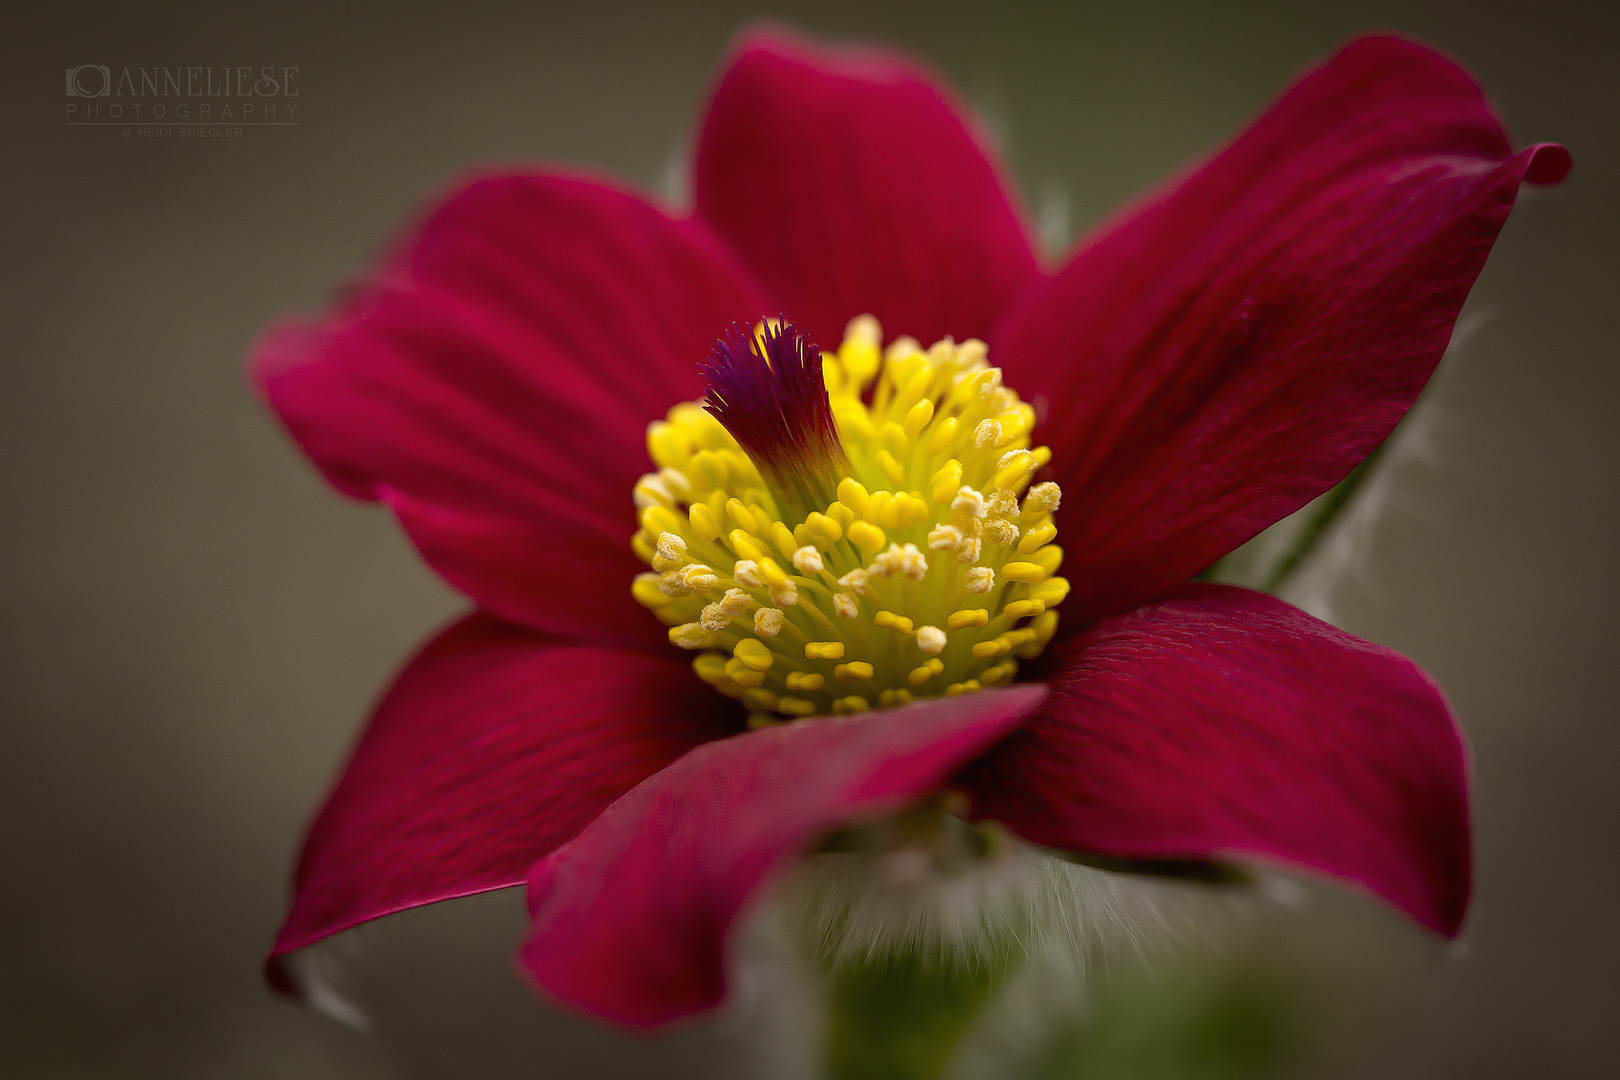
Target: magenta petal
630	918
1223	721
491	748
851	184
1233	345
494	382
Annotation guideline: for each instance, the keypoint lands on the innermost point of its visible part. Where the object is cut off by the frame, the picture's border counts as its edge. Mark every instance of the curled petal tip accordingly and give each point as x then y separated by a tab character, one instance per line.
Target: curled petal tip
1549	164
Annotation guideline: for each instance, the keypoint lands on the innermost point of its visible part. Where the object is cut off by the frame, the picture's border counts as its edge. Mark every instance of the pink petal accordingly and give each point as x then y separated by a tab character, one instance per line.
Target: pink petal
851	183
1222	721
1233	345
630	918
493	384
492	748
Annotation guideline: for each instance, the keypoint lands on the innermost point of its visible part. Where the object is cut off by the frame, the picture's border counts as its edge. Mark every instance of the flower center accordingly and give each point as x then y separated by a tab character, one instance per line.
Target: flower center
826	555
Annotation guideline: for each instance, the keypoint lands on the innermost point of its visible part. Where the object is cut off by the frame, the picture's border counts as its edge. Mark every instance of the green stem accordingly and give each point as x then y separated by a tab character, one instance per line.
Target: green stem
900	1018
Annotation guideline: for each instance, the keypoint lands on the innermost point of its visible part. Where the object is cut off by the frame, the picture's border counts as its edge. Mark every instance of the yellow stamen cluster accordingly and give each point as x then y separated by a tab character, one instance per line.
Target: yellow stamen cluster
932	572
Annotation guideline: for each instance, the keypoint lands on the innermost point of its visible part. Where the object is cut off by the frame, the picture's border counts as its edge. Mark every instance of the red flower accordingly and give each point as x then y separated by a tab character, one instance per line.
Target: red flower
1209	361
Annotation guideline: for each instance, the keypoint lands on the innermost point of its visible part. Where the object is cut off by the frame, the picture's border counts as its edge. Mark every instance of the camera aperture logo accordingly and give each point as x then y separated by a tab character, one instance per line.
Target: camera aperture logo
182	102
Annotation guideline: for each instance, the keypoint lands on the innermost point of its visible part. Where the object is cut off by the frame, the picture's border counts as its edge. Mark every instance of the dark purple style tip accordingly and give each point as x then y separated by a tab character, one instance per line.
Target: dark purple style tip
766	389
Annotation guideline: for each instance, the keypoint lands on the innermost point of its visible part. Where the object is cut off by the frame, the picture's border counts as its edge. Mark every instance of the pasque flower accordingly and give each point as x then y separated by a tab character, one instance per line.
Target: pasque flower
856	536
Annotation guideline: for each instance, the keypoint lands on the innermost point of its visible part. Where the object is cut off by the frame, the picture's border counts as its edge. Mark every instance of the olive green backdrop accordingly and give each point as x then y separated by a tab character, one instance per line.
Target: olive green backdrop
193	625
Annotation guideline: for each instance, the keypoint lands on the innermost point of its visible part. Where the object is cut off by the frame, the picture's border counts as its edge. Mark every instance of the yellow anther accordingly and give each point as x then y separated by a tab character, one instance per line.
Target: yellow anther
773	574
1013	467
920	675
972	351
768	621
697	577
646	591
653	489
984	650
892	469
1020	608
1043	627
1051	591
1043	497
868	538
930	639
846	606
959	688
689	636
743	544
980	579
785	595
752	651
945	482
841	514
916	508
707	471
741	515
824	650
854	671
876	505
961	620
855	582
852	493
746	571
944	434
714	617
824	528
710	667
1048	558
1036	536
1027	572
1022	636
974	386
945	538
901	348
782	537
852	419
918	417
859	352
642	545
668	444
704	523
998	531
988	433
743	675
760	699
906	561
807	560
671	584
854	703
805	680
890	621
1001	504
660	519
892	437
669	553
888	699
793	706
969	502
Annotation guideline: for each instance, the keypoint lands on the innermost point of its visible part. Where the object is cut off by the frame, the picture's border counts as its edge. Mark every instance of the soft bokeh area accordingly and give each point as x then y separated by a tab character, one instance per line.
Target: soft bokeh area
194	625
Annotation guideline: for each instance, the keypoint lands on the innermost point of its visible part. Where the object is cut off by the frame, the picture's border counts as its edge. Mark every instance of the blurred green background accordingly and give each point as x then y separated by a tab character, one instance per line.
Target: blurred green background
193	626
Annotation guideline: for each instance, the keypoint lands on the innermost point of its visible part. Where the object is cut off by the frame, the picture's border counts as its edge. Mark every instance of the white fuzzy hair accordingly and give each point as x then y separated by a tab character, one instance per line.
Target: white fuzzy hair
1057	921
